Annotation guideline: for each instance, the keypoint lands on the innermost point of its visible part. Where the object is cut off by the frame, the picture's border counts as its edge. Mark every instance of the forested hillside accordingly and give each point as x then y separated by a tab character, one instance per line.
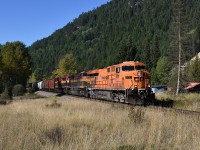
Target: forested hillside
117	31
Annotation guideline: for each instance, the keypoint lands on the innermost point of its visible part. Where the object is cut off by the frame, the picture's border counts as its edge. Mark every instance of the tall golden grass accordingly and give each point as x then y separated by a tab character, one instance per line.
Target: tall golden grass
87	125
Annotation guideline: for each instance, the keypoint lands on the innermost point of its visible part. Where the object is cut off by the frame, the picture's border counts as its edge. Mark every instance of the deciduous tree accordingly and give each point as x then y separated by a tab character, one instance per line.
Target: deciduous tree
16	66
66	66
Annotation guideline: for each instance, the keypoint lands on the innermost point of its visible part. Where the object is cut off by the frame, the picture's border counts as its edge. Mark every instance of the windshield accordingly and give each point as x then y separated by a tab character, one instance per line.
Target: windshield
140	67
127	68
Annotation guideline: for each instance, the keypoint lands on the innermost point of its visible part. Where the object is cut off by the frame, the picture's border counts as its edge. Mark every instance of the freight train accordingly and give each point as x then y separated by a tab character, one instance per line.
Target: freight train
127	82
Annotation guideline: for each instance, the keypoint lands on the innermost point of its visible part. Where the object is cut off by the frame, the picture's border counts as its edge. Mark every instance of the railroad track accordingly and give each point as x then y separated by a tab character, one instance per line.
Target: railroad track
165	107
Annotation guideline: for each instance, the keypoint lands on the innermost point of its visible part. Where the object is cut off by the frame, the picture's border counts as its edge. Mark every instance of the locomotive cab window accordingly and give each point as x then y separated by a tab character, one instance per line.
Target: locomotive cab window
108	69
118	70
128	68
140	67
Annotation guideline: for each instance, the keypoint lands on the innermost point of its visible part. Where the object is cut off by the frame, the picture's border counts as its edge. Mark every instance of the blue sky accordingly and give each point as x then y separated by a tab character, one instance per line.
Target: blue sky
31	20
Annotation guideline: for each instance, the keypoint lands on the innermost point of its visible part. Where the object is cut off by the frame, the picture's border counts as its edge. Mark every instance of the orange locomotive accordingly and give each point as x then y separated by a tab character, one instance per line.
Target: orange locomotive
126	82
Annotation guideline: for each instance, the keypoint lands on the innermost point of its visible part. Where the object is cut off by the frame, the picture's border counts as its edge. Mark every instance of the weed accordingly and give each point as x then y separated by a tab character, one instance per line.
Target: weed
118	106
126	147
54	104
3	102
137	115
130	147
55	134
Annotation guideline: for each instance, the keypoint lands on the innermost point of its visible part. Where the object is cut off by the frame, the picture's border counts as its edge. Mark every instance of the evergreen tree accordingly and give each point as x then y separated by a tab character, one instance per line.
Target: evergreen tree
145	57
38	73
155	51
162	70
192	71
1	85
127	51
196	40
154	77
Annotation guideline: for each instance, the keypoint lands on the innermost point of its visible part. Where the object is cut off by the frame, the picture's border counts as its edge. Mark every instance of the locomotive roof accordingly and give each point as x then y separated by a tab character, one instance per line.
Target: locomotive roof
130	63
133	63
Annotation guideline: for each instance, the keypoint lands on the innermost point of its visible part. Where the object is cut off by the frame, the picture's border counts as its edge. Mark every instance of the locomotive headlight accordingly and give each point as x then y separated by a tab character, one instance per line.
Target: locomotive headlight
135	86
136	79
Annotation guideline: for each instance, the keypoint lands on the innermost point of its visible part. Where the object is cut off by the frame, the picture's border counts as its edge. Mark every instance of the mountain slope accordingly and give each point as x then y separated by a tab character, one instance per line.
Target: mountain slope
119	30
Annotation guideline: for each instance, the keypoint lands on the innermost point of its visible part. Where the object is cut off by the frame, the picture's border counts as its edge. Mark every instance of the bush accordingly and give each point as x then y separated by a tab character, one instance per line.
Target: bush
18	90
54	104
30	90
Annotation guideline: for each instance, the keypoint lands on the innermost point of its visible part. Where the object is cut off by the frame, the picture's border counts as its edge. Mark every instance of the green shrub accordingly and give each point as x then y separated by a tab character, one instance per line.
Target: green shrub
18	90
30	90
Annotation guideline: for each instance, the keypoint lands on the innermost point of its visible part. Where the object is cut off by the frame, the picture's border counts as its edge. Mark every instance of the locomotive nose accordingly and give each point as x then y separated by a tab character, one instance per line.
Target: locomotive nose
139	80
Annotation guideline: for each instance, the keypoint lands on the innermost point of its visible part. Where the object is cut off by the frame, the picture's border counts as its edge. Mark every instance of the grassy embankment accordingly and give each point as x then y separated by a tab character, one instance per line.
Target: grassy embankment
183	101
84	125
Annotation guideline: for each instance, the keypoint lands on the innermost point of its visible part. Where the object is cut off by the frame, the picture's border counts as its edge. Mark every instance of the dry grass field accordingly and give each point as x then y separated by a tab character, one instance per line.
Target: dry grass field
188	101
75	124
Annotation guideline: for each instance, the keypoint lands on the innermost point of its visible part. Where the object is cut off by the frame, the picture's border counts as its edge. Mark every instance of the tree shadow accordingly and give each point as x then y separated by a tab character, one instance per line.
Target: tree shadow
5	102
60	94
164	103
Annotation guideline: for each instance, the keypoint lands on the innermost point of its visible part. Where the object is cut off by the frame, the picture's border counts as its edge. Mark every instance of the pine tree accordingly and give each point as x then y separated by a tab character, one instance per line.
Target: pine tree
162	70
155	52
146	54
192	71
38	73
127	51
196	40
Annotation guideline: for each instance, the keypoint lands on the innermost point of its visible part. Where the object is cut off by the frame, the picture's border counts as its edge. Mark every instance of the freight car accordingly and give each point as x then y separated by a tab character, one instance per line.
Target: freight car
127	82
